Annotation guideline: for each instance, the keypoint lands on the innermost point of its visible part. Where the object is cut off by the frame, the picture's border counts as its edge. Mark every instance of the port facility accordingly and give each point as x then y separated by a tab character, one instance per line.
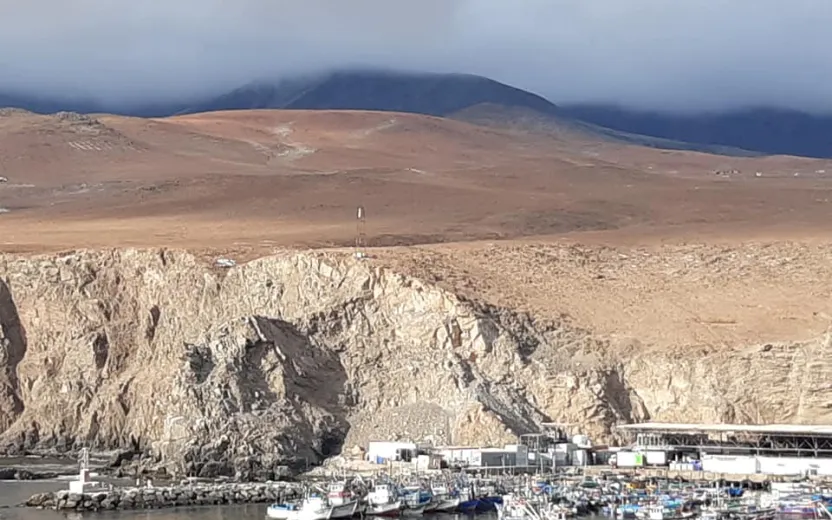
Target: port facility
767	449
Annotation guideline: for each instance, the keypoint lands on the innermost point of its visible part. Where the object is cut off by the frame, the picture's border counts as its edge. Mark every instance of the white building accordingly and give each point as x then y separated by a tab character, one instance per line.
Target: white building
465	456
384	451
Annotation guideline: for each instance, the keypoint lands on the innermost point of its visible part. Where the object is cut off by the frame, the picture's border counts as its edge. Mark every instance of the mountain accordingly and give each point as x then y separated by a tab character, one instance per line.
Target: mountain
418	93
486	101
764	130
465	97
526	120
750	132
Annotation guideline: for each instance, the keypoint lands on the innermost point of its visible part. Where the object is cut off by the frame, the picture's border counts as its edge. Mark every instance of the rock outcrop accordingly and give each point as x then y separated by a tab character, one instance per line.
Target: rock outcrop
287	359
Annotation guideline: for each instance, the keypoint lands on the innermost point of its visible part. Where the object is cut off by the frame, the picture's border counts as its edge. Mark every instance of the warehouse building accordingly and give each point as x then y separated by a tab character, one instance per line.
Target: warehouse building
772	449
513	456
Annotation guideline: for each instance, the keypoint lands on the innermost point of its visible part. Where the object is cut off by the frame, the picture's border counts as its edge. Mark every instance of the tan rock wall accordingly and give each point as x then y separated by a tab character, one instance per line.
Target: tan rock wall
291	357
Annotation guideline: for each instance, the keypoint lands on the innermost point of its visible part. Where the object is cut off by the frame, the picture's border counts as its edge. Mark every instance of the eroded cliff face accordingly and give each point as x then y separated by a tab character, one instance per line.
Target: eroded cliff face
291	358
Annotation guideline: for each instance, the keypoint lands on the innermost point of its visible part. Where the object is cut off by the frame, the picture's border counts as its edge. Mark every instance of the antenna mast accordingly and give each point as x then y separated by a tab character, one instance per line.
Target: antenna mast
360	237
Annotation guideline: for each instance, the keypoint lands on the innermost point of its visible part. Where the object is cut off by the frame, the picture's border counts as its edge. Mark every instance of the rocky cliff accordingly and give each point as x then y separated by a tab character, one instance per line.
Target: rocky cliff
288	359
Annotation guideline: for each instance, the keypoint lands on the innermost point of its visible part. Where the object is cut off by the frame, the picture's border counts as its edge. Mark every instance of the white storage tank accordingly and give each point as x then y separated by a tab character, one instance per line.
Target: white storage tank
579	458
582	441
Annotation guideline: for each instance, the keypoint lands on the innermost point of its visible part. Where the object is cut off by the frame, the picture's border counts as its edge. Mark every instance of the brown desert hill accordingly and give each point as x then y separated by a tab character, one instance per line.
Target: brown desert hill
281	177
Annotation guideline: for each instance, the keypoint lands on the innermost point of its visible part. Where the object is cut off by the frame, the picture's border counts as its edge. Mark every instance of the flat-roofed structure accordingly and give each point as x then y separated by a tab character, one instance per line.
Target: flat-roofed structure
782	449
783	429
782	439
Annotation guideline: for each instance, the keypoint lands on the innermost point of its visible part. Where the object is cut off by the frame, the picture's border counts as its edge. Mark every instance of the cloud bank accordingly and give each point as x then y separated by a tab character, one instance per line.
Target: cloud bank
656	54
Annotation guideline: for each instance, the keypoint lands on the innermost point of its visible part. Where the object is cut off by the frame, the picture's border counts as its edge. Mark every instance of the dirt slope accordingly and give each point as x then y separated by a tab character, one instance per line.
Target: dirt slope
263	178
591	310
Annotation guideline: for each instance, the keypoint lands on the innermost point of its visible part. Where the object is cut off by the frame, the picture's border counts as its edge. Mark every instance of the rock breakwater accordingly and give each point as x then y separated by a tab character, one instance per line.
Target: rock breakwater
164	497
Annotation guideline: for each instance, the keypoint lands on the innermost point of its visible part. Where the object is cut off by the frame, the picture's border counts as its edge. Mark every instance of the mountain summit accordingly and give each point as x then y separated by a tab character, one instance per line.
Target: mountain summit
419	93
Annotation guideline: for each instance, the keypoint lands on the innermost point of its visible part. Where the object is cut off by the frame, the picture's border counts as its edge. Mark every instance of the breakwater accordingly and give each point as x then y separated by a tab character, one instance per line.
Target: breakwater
126	498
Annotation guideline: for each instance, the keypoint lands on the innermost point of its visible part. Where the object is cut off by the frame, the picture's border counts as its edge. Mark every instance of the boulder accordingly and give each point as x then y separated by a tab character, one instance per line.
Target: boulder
121	457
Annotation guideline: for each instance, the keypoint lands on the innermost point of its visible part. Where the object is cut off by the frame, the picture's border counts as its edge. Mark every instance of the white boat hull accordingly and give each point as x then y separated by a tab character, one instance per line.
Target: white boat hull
278	513
448	505
346	510
320	514
392	509
414	511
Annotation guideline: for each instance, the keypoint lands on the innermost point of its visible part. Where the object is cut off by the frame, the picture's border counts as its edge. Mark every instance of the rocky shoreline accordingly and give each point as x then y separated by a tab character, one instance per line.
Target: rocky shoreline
127	498
23	473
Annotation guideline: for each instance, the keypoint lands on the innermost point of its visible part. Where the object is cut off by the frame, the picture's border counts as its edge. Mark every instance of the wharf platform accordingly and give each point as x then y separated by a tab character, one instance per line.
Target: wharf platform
129	498
690	476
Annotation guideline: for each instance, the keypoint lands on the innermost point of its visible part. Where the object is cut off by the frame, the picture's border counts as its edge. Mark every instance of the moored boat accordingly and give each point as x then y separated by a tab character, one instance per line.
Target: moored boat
313	507
280	511
445	501
383	501
344	504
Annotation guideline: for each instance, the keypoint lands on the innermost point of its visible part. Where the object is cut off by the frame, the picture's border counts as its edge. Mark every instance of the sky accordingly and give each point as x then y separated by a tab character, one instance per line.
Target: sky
671	55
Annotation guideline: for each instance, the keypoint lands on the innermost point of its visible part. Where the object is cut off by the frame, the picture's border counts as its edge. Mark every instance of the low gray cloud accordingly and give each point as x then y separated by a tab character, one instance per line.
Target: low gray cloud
665	54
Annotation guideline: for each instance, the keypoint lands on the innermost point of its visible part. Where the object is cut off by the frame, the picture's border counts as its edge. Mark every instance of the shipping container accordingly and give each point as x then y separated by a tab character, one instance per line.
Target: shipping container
629	459
656	458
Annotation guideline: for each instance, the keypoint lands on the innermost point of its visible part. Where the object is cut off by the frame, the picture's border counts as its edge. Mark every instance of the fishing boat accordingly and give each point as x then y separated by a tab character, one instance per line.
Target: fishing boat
415	501
281	511
468	505
664	511
344	505
515	508
384	501
446	501
313	507
488	503
796	506
737	510
623	511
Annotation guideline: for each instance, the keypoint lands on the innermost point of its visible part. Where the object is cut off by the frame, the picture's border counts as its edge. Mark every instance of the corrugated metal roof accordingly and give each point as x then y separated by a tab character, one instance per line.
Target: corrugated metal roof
794	429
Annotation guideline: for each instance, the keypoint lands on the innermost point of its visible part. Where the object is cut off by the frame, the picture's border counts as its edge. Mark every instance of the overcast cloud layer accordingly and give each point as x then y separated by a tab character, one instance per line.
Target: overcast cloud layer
666	54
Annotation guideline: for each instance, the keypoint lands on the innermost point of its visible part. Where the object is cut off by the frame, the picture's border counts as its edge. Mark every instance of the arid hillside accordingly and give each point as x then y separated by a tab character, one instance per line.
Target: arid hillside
514	276
258	179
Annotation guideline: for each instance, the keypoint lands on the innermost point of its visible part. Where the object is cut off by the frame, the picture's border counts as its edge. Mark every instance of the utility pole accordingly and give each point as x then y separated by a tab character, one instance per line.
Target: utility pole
360	236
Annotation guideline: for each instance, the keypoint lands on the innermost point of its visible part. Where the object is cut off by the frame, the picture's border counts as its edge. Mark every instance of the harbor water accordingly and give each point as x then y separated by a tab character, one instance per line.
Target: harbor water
13	493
